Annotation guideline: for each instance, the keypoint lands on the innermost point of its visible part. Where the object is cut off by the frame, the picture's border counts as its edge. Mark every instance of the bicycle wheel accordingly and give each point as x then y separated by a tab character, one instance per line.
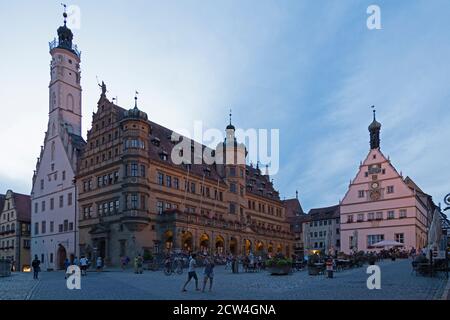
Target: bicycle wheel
167	271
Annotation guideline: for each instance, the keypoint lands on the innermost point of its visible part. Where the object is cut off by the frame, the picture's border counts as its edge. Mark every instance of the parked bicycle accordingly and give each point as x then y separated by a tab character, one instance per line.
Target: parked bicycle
173	266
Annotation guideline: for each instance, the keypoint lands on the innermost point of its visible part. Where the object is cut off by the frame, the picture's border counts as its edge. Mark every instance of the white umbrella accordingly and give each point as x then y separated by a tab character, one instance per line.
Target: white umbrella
387	243
435	231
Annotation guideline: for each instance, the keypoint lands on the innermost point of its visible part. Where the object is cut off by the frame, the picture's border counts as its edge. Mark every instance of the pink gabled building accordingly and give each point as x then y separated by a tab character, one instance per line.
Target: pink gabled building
382	205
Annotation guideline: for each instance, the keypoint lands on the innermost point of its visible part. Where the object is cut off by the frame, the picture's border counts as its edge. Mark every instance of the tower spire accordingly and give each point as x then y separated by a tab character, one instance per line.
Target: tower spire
374	130
136	99
65	13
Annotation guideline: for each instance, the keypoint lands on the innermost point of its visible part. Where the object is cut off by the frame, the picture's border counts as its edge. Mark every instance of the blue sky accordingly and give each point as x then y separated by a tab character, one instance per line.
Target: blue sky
310	68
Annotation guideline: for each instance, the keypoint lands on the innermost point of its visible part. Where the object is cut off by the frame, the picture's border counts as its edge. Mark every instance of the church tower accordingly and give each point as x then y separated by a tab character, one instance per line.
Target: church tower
53	194
65	88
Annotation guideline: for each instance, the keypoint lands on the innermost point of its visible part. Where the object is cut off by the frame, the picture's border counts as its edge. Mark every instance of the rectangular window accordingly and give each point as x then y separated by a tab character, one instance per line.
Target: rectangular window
99	182
159	207
232	171
350	218
116	176
320	234
168	181
160	178
42	258
71	226
232	208
36	228
192	187
42	184
52	226
61	201
66	225
391	214
51	257
176	183
43	227
390	189
402	213
400	237
233	187
134	201
116	205
360	217
36	205
69	199
315	234
360	193
312	235
52	203
143	171
372	239
26	244
134	169
43	206
371	216
99	209
64	175
379	215
60	228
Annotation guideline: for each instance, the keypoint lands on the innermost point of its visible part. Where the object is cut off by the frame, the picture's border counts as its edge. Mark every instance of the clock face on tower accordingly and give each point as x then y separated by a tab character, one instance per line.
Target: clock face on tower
375	185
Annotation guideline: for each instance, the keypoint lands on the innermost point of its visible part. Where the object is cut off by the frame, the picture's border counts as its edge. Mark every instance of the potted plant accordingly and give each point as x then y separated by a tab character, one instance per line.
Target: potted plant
279	265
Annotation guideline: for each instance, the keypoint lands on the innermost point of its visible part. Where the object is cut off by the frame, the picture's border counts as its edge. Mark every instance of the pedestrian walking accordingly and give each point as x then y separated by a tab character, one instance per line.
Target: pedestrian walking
66	266
191	273
99	264
208	274
36	264
138	262
83	265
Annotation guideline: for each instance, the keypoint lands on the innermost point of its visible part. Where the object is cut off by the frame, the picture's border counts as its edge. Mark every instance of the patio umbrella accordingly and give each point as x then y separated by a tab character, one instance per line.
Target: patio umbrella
435	230
387	243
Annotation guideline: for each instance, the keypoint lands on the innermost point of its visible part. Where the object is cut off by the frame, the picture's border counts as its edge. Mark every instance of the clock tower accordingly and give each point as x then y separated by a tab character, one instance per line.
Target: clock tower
53	195
382	205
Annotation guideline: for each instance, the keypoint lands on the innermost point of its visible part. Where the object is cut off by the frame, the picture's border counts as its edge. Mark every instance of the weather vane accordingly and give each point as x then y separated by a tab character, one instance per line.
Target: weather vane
65	13
135	98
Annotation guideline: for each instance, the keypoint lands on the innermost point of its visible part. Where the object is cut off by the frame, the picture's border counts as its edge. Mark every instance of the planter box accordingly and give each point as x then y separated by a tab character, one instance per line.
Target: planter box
280	270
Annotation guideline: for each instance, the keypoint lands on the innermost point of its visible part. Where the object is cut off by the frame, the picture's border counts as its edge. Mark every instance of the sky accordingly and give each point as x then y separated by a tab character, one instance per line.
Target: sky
311	69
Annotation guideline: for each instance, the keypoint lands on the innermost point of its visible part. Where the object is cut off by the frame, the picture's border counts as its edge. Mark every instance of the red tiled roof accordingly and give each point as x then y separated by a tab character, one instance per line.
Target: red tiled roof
293	207
22	203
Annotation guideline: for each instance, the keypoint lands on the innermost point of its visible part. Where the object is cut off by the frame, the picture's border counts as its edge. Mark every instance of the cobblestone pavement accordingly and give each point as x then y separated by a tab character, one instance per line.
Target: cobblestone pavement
17	287
397	282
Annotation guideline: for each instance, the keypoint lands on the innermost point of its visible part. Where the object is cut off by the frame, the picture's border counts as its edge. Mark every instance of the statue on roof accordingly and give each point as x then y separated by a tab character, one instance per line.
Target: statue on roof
103	86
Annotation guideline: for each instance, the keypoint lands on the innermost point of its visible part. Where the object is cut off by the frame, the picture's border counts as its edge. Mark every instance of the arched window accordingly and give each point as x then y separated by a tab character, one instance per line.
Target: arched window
70	102
53	151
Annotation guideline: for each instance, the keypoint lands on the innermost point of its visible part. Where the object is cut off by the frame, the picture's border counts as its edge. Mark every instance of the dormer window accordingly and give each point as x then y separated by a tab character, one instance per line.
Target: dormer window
156	141
163	156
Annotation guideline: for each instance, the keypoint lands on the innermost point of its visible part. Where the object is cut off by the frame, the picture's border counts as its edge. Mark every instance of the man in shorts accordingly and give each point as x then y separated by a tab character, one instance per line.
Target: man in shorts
191	273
